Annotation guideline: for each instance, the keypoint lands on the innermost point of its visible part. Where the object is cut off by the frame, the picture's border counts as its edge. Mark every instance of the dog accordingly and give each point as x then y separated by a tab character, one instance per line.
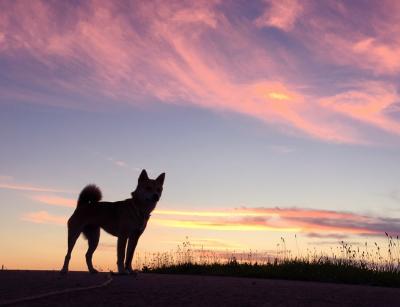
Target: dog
126	219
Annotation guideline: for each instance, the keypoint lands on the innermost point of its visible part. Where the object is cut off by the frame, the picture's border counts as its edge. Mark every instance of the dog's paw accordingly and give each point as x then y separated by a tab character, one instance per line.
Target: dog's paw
93	271
131	272
123	272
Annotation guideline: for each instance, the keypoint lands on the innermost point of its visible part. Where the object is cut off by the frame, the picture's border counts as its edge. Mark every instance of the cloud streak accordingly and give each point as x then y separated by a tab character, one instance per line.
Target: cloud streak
43	217
53	200
30	188
206	55
311	222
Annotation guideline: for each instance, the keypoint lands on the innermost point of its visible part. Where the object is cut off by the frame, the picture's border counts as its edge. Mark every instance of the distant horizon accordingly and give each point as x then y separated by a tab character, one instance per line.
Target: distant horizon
270	119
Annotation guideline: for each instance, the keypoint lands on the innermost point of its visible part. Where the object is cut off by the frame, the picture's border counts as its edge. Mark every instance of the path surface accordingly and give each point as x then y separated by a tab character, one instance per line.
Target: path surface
182	290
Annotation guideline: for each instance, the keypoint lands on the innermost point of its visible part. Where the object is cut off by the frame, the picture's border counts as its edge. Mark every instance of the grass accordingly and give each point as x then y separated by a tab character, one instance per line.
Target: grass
345	264
323	271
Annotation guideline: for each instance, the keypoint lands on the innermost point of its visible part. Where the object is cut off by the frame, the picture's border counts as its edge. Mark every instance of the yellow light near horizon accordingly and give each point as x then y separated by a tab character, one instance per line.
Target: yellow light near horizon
231	213
221	226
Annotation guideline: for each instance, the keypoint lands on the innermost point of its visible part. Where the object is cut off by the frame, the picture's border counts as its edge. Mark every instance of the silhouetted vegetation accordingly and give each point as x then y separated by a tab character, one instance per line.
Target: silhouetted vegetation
347	265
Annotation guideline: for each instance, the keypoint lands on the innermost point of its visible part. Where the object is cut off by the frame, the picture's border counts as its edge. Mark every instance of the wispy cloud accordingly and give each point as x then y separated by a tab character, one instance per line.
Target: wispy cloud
43	217
395	195
204	54
281	149
123	164
120	163
337	236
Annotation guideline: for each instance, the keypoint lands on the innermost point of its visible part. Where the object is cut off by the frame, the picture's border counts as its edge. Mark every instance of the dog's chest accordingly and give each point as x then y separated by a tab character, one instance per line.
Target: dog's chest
143	225
137	222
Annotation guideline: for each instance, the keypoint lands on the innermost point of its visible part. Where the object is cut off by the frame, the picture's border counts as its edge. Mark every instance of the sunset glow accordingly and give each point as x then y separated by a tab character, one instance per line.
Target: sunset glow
270	119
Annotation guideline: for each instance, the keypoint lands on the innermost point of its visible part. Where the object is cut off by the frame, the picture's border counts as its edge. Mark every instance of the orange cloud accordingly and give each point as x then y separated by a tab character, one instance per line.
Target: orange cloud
43	217
55	200
8	183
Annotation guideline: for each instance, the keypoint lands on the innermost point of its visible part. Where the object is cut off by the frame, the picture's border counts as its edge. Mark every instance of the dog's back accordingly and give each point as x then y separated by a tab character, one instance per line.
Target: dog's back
113	217
93	213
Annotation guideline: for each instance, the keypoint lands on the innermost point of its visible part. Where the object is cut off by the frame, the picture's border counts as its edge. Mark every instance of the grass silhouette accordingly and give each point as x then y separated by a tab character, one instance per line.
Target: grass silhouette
346	264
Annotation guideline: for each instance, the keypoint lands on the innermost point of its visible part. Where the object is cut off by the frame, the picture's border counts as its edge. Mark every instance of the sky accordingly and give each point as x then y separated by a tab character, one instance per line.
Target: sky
270	119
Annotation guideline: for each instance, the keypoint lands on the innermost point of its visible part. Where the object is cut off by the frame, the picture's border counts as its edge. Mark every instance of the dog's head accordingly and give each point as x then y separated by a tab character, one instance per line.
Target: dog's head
148	191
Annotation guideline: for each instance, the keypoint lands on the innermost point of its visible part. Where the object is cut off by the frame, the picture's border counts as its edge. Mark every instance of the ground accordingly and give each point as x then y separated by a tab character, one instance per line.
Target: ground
185	290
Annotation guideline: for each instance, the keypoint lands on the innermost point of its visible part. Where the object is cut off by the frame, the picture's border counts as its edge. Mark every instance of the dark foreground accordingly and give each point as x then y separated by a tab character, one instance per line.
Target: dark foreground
185	290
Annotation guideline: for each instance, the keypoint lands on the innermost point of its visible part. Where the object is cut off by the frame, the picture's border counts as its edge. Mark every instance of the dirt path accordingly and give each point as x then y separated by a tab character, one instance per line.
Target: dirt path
179	290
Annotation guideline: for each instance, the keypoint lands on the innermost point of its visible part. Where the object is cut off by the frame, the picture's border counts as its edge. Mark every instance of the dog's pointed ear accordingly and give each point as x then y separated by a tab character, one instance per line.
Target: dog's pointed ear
160	179
143	176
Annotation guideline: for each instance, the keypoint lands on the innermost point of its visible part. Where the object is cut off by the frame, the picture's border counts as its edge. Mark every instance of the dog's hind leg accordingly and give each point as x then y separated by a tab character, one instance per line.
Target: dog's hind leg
92	233
73	235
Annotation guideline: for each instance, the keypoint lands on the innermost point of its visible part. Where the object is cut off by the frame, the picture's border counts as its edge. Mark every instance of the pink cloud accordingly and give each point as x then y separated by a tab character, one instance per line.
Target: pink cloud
9	183
368	102
301	213
280	14
193	53
369	42
23	187
378	56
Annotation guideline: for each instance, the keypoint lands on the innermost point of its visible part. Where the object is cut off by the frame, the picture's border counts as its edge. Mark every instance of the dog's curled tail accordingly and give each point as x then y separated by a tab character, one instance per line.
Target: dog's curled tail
89	195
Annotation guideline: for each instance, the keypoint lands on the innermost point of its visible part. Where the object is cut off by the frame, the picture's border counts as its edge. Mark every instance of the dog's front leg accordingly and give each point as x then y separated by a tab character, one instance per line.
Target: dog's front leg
133	240
121	244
